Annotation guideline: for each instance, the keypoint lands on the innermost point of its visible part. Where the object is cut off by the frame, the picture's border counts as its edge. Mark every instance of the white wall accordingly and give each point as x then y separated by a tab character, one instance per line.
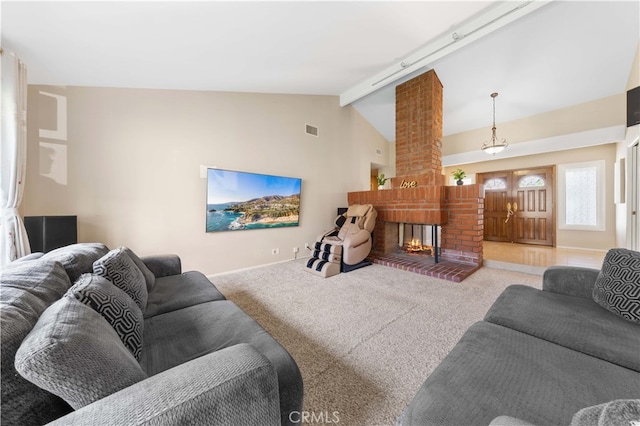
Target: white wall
130	166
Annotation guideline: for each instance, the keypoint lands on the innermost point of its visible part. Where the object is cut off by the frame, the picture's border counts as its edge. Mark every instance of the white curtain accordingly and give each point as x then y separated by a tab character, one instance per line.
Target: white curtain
14	242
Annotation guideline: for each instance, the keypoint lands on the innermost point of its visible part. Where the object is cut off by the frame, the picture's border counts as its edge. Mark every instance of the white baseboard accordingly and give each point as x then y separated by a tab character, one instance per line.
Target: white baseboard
581	249
253	267
516	267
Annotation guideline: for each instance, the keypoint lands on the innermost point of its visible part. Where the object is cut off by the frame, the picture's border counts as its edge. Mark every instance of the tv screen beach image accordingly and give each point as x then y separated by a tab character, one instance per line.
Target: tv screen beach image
240	200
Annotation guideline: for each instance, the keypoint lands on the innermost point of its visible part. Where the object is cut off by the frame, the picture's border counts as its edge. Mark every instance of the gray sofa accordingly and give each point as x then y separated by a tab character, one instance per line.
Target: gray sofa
541	356
81	346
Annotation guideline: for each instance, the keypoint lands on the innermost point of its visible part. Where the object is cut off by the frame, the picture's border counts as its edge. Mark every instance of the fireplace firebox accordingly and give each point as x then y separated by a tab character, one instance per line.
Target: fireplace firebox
419	239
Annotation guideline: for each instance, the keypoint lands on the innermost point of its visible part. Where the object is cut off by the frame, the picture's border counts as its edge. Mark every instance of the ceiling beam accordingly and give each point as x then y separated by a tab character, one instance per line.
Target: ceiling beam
484	23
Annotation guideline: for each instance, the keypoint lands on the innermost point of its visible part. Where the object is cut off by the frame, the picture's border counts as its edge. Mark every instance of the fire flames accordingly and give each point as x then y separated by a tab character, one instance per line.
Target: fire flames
416	246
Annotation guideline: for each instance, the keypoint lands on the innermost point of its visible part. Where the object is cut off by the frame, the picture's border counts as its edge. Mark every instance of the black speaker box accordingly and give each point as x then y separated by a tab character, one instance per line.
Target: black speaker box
633	107
47	233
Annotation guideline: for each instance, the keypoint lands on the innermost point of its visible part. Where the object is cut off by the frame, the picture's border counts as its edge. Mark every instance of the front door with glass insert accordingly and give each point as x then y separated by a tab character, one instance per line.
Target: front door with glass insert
519	206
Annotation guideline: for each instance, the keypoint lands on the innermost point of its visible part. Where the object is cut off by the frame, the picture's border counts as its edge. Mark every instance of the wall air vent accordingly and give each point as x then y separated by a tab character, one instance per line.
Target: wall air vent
311	130
378	151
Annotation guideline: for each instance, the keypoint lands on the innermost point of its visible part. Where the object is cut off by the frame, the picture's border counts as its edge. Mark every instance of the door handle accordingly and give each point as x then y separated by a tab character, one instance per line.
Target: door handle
510	212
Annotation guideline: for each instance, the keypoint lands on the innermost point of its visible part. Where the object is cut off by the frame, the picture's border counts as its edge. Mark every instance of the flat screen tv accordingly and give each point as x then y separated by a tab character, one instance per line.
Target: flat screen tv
239	200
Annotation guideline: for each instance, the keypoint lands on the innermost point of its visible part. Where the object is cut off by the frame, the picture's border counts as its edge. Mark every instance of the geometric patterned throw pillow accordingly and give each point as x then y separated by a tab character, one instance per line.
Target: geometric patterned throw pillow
148	275
617	287
118	267
115	306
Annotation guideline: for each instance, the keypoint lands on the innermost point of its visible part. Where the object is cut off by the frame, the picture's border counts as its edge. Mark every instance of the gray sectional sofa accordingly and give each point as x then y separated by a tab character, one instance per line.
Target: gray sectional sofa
545	357
98	336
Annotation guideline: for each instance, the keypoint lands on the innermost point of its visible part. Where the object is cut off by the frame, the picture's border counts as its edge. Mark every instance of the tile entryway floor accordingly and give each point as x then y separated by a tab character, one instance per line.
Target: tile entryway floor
535	259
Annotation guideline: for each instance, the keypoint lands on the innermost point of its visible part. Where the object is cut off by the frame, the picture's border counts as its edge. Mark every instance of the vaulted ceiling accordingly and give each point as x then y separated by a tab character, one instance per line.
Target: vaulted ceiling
560	54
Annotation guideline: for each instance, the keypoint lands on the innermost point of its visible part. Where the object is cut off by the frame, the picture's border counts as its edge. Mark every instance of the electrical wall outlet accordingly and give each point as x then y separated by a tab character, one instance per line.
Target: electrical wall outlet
295	249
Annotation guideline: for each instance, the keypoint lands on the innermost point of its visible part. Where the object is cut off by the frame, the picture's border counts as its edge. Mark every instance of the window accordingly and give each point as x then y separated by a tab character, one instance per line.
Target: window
581	196
495	183
531	181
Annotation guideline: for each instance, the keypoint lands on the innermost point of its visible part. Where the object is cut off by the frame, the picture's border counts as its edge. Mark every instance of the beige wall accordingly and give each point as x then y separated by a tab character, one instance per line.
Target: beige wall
569	122
130	166
366	142
383	164
597	240
598	114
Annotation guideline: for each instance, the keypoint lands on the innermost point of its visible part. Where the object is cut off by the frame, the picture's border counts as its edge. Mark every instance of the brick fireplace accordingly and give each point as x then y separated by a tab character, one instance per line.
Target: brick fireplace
418	194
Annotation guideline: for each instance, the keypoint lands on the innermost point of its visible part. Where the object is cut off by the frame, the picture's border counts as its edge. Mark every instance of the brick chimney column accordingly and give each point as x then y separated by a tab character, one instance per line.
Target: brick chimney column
424	199
419	130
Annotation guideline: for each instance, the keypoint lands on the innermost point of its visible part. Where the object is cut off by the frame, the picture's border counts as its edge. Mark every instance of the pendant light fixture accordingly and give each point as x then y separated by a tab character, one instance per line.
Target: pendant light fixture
494	146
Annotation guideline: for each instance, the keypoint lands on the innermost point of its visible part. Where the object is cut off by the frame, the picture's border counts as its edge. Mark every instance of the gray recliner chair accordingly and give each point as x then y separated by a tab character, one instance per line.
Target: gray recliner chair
346	246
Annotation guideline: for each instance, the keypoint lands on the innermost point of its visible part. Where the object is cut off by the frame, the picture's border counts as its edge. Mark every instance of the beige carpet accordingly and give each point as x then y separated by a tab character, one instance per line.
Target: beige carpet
366	340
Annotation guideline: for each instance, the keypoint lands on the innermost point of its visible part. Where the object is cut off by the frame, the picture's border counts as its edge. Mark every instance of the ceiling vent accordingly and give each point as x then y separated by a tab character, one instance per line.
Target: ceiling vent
311	130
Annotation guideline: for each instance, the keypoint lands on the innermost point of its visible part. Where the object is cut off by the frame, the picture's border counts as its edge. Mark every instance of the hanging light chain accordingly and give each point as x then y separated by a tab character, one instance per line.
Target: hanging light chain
495	146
